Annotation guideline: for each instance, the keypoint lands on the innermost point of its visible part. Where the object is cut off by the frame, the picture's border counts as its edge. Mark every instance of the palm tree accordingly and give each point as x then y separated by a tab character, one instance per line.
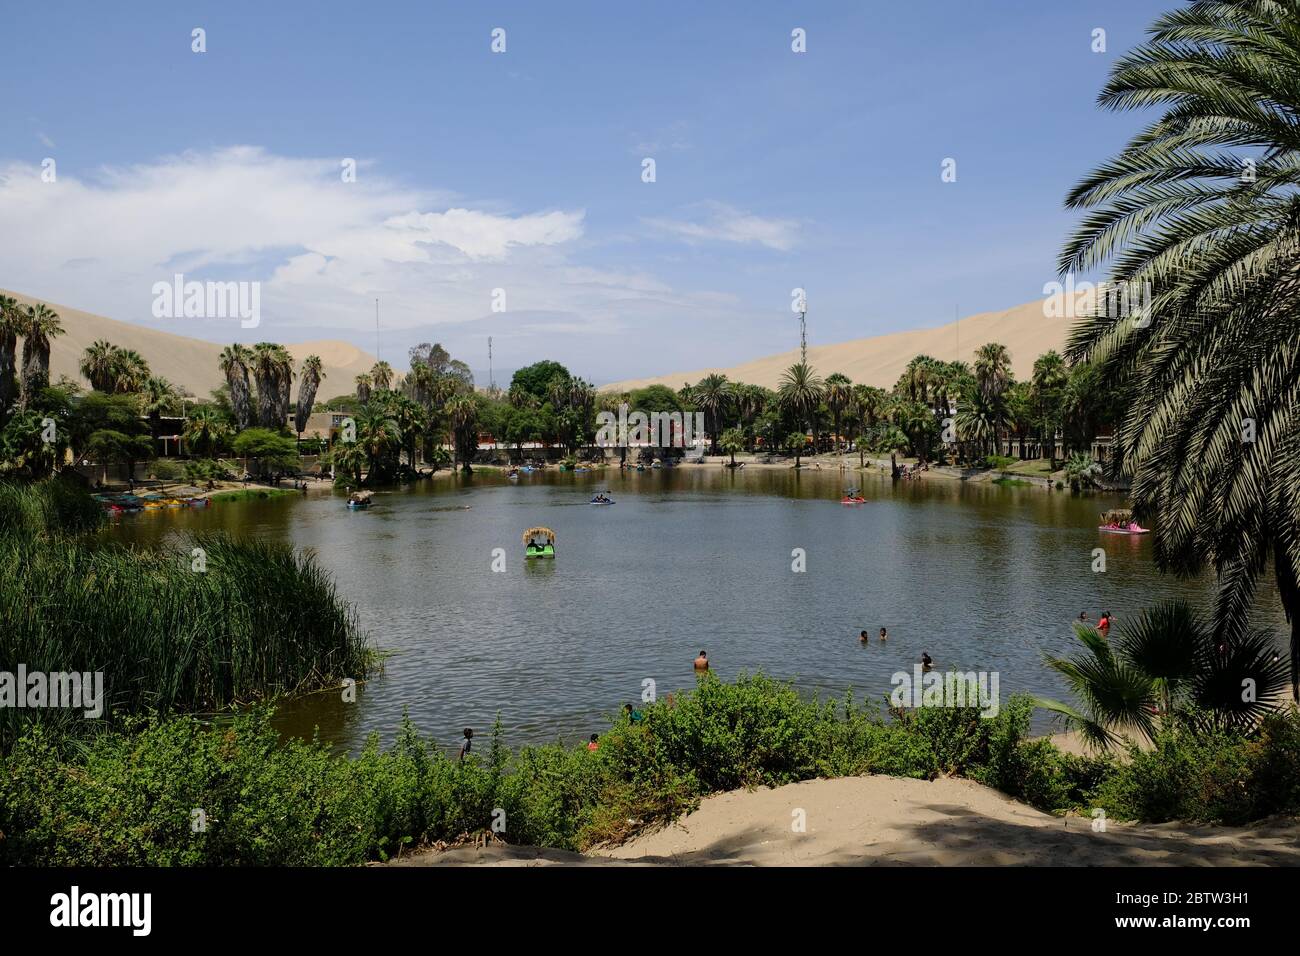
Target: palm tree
711	394
283	385
308	382
205	429
838	392
41	324
799	393
1047	385
869	404
381	376
157	396
463	411
363	384
273	372
1081	472
97	365
128	372
378	438
11	326
1167	666
992	370
1197	217
235	362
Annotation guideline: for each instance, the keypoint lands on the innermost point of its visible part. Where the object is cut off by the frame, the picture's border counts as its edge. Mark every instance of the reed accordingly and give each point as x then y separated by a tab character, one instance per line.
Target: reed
215	623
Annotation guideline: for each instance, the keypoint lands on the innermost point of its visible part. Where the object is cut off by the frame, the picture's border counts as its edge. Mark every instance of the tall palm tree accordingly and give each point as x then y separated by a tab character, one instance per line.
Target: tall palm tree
308	382
283	385
41	324
381	376
869	404
992	371
1199	221
1047	386
463	411
838	392
97	365
712	394
236	360
799	394
273	372
11	326
363	384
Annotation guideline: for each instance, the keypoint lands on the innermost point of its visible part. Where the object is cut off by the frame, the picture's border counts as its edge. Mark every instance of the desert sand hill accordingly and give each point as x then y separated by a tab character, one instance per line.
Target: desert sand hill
879	361
185	362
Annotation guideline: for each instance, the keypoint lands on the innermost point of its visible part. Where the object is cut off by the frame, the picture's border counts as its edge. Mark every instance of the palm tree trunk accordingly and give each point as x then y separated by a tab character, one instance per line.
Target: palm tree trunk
8	370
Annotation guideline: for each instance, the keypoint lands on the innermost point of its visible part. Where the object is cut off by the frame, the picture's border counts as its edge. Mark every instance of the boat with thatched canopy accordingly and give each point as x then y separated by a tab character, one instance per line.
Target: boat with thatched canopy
359	500
1120	521
539	543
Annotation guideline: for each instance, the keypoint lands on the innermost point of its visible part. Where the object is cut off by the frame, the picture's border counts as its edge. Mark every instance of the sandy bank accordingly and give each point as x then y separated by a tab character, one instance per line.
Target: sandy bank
892	821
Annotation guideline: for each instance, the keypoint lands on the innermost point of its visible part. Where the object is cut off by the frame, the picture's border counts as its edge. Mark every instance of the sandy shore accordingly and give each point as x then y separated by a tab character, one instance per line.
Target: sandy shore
892	821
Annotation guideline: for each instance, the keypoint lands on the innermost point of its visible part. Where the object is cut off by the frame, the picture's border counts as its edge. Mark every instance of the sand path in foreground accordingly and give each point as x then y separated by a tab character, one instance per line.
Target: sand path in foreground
873	821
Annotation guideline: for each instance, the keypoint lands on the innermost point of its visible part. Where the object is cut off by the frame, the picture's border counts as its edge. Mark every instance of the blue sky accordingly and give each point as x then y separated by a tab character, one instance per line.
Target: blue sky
522	170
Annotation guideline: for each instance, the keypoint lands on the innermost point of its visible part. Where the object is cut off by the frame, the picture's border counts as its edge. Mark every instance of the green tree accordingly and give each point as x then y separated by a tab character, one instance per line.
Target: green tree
267	448
799	394
733	440
308	382
1205	349
40	323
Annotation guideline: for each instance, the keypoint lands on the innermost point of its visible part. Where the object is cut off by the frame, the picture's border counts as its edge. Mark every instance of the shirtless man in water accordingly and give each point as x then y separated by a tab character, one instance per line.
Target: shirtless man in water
702	662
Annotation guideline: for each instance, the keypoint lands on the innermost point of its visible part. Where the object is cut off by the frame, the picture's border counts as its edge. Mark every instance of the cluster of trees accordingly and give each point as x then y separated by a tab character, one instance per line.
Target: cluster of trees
40	421
982	400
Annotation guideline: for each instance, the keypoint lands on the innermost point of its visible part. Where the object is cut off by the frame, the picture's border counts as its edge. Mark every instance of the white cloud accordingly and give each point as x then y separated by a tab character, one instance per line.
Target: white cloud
323	249
723	223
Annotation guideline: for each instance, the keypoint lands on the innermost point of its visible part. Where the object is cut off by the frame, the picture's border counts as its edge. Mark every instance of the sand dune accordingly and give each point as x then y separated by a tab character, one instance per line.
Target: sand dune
184	361
880	360
874	821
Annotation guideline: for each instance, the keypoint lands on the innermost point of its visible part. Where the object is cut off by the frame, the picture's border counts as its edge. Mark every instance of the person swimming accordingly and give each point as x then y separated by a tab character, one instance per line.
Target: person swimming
883	635
702	662
926	661
863	637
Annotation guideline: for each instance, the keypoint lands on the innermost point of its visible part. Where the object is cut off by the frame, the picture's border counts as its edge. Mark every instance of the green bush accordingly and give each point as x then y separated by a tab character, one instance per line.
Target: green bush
129	796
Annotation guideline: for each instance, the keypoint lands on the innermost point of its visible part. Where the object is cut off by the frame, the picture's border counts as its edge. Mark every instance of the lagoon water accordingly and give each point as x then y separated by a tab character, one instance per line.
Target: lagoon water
981	577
